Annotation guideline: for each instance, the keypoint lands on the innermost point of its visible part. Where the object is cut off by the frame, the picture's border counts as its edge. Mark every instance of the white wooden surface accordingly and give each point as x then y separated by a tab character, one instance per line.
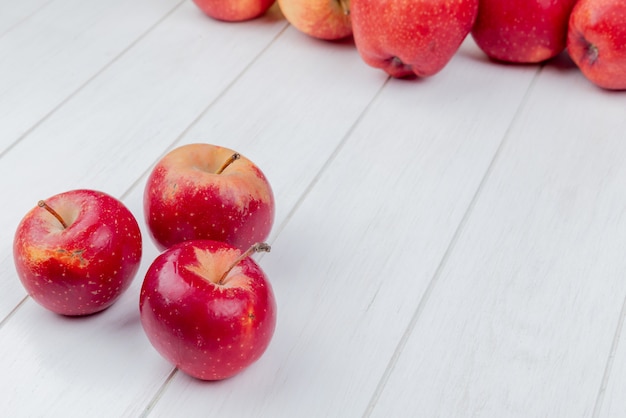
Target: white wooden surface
447	247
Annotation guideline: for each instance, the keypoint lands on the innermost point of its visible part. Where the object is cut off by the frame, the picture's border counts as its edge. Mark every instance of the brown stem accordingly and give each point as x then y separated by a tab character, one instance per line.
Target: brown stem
255	248
345	6
228	162
44	205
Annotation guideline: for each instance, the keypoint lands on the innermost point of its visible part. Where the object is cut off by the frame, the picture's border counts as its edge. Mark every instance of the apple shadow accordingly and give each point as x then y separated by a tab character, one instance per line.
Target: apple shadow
346	43
411	78
79	318
562	63
271	16
479	56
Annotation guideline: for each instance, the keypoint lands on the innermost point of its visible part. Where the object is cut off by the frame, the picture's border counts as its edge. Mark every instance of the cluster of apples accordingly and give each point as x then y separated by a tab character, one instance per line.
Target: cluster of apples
205	304
417	38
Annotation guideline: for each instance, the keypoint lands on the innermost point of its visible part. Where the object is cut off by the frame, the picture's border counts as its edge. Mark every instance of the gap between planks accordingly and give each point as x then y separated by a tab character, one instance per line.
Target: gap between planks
292	211
446	256
89	80
204	111
597	408
141	177
25	18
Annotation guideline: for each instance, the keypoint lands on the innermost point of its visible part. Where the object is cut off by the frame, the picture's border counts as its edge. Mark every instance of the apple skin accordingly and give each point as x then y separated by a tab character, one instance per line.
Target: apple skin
84	268
234	10
209	330
184	198
522	31
596	41
408	38
322	19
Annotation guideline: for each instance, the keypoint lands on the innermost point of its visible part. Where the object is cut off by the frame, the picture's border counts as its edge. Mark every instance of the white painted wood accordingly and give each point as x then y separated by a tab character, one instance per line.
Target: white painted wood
51	55
97	366
295	128
413	277
611	402
14	13
521	319
123	120
351	108
350	266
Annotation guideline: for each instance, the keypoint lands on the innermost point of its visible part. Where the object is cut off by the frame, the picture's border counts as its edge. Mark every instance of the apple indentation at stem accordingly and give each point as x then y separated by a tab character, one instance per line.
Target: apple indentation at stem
398	68
345	6
591	53
396	62
219	269
255	248
43	204
228	162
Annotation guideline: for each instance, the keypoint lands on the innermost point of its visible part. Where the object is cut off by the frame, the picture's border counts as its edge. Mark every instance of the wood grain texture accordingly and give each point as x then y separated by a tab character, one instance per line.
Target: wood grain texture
610	401
344	267
451	246
521	319
56	51
127	117
13	14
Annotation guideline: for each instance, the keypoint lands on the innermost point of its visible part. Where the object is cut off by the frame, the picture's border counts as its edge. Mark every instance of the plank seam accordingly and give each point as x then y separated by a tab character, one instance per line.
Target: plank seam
25	18
330	160
609	362
201	115
282	226
13	311
89	80
159	393
446	256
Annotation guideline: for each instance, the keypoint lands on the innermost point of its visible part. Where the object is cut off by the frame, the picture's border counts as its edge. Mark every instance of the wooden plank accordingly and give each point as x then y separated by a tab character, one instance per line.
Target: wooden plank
610	401
344	267
241	124
521	317
14	13
55	52
110	132
312	93
100	365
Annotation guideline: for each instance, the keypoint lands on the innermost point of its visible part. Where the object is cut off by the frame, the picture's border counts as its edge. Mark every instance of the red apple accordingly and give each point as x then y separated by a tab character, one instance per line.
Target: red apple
410	37
323	19
596	41
522	31
234	10
208	308
203	191
77	252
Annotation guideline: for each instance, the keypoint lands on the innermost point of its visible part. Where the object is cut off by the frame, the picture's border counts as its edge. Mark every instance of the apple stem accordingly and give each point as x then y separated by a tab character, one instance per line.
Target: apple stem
44	205
592	53
345	6
228	162
255	248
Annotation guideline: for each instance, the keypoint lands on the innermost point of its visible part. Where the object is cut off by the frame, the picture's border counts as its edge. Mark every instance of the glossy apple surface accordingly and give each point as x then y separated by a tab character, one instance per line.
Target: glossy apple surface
83	260
234	10
410	37
522	31
323	19
208	319
188	196
597	41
